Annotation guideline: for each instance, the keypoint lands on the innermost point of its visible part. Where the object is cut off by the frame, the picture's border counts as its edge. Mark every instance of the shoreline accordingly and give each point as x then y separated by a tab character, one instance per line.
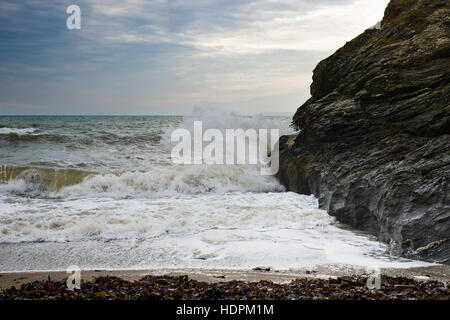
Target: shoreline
440	273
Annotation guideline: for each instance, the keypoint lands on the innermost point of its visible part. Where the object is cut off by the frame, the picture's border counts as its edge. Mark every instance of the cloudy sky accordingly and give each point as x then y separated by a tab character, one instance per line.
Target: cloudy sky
170	56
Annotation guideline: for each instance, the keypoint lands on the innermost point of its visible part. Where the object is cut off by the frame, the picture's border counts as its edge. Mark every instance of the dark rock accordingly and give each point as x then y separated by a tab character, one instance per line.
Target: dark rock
267	269
374	138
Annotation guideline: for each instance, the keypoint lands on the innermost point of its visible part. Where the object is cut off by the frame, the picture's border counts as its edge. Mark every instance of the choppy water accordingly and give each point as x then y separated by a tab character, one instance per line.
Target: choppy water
101	192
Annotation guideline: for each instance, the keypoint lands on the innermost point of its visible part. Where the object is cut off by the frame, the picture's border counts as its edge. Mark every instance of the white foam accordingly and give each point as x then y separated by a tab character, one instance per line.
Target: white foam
104	218
18	131
229	231
173	180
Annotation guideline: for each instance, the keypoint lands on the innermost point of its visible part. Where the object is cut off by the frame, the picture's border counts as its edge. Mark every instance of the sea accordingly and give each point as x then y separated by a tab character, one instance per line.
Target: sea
102	192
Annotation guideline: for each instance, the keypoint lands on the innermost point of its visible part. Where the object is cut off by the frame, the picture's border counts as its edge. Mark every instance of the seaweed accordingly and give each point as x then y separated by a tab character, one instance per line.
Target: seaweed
181	287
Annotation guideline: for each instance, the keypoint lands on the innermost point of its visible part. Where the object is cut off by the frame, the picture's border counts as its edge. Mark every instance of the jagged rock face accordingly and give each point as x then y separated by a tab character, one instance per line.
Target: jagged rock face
374	140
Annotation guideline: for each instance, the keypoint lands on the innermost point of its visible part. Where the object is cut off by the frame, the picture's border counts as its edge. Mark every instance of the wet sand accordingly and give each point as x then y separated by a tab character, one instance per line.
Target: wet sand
438	273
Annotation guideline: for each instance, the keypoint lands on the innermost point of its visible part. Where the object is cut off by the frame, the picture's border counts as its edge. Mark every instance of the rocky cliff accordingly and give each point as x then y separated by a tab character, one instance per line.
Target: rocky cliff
374	138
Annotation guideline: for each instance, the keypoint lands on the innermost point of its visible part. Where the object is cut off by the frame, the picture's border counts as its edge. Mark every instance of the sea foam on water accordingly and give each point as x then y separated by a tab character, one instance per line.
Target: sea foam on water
102	202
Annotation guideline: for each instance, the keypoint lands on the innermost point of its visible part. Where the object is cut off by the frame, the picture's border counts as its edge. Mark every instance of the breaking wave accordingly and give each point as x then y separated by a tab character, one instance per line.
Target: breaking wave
18	131
160	181
155	179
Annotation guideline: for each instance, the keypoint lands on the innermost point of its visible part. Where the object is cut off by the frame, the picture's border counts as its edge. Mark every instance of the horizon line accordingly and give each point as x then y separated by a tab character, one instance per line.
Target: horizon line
130	115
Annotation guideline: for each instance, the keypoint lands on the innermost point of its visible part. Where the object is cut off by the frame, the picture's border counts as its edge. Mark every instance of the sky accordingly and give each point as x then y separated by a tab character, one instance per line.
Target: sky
145	57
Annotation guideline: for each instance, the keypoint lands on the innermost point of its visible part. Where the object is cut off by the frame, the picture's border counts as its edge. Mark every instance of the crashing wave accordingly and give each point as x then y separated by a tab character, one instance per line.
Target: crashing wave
18	131
161	181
